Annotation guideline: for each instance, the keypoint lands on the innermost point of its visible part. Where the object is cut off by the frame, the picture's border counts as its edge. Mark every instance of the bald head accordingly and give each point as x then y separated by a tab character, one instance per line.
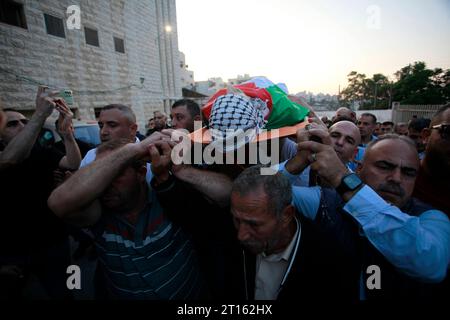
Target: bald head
345	113
346	138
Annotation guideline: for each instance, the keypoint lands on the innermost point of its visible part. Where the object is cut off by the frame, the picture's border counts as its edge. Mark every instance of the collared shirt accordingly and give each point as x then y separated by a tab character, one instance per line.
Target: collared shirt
270	270
417	246
361	150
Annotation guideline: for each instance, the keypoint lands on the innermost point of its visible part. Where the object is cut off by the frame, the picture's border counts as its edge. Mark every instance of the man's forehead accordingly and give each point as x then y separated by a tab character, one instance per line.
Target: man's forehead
112	115
394	151
254	199
365	118
10	115
179	109
345	128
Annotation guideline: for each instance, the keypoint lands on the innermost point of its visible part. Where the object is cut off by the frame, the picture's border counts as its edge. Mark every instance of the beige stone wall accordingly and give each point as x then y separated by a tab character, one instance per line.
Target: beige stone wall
94	73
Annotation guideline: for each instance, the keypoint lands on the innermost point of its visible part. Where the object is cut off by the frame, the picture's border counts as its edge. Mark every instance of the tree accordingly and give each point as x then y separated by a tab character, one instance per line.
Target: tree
362	91
415	84
418	85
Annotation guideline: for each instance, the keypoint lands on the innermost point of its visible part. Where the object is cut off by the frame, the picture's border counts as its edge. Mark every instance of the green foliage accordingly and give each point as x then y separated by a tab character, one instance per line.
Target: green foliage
415	84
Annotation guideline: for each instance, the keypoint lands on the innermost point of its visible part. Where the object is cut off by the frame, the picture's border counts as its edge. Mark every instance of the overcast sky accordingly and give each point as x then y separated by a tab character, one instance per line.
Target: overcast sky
311	45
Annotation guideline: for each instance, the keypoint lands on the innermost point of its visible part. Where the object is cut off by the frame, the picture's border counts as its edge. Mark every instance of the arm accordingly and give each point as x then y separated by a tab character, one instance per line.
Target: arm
185	210
76	200
20	147
418	246
72	159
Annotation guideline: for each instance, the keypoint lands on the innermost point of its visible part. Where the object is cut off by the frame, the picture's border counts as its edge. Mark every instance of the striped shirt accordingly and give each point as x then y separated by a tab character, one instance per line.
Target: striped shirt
153	259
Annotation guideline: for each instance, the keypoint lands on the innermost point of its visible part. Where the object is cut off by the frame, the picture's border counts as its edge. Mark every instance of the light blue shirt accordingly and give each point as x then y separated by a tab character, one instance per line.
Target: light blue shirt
417	246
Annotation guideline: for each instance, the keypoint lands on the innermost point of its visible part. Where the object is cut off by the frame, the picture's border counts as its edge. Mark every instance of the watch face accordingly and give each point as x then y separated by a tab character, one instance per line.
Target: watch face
352	181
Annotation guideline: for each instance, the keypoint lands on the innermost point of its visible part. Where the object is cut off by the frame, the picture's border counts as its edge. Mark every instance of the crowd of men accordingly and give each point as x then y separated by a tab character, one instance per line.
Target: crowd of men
350	197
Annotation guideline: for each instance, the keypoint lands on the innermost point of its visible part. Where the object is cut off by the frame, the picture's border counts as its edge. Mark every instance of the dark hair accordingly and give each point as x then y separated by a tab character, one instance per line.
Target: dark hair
192	106
115	144
390	136
126	110
418	124
368	114
437	116
10	109
277	187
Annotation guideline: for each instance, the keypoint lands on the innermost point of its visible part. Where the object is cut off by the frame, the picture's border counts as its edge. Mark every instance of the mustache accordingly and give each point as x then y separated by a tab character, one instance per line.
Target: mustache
257	246
392	188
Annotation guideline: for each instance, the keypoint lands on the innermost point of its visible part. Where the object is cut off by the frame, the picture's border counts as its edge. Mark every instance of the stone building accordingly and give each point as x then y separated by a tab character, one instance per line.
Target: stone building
123	52
187	76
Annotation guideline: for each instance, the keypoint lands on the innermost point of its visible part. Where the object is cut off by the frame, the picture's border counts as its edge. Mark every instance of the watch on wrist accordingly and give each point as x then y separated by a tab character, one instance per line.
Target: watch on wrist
349	182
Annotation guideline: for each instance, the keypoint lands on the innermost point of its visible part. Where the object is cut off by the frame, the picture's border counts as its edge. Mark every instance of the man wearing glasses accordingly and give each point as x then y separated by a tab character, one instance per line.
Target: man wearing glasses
433	181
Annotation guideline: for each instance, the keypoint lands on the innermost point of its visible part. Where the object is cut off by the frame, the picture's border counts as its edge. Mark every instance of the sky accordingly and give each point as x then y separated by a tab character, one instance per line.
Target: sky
311	45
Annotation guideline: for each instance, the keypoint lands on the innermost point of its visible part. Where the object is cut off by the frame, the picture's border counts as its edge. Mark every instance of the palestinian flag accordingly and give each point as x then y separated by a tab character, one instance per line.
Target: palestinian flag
281	113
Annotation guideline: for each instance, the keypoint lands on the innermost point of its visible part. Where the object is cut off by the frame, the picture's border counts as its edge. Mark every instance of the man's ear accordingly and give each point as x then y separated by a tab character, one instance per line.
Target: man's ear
425	135
288	214
359	167
198	118
134	127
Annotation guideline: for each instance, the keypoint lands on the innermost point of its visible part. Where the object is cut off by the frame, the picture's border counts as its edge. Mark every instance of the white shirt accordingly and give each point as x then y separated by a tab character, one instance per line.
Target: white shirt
270	270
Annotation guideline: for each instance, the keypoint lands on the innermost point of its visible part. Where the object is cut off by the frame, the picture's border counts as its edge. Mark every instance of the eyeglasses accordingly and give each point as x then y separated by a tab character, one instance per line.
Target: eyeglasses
443	129
15	123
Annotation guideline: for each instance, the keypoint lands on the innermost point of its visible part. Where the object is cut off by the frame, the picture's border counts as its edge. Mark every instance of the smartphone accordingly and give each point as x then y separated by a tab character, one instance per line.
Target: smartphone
67	95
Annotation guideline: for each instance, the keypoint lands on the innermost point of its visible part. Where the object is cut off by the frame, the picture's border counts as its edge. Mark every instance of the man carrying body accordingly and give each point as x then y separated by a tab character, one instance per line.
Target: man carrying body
407	239
133	237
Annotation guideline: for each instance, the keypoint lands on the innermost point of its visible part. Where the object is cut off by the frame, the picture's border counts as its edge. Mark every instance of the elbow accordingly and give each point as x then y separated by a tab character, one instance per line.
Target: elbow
435	271
438	276
6	163
56	204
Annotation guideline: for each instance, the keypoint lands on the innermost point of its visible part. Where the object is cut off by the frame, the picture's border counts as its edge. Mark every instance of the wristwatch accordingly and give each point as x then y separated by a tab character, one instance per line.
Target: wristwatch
349	182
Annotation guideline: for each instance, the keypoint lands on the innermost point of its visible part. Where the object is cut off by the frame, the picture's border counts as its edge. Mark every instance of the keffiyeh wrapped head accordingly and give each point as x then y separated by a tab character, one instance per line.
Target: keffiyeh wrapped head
232	115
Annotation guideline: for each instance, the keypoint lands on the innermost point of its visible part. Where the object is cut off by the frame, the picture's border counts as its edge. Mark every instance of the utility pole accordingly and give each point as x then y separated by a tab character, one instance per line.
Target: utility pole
376	87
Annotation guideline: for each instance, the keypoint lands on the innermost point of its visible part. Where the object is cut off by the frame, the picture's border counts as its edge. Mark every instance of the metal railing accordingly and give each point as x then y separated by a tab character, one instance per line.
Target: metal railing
404	113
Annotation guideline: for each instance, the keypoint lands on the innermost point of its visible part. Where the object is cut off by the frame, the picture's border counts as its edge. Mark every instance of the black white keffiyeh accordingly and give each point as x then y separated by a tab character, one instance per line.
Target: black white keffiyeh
232	115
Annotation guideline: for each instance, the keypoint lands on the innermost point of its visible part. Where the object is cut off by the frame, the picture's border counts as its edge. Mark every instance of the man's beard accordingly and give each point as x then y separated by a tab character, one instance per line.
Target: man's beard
392	188
394	191
254	246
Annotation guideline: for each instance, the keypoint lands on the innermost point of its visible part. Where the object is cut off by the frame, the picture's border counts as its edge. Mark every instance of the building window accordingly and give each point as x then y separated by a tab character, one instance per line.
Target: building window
119	45
12	13
54	25
91	37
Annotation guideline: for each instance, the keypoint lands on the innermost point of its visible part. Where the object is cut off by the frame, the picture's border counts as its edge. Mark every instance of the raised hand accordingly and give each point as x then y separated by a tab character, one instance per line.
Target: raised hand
65	127
323	157
45	101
